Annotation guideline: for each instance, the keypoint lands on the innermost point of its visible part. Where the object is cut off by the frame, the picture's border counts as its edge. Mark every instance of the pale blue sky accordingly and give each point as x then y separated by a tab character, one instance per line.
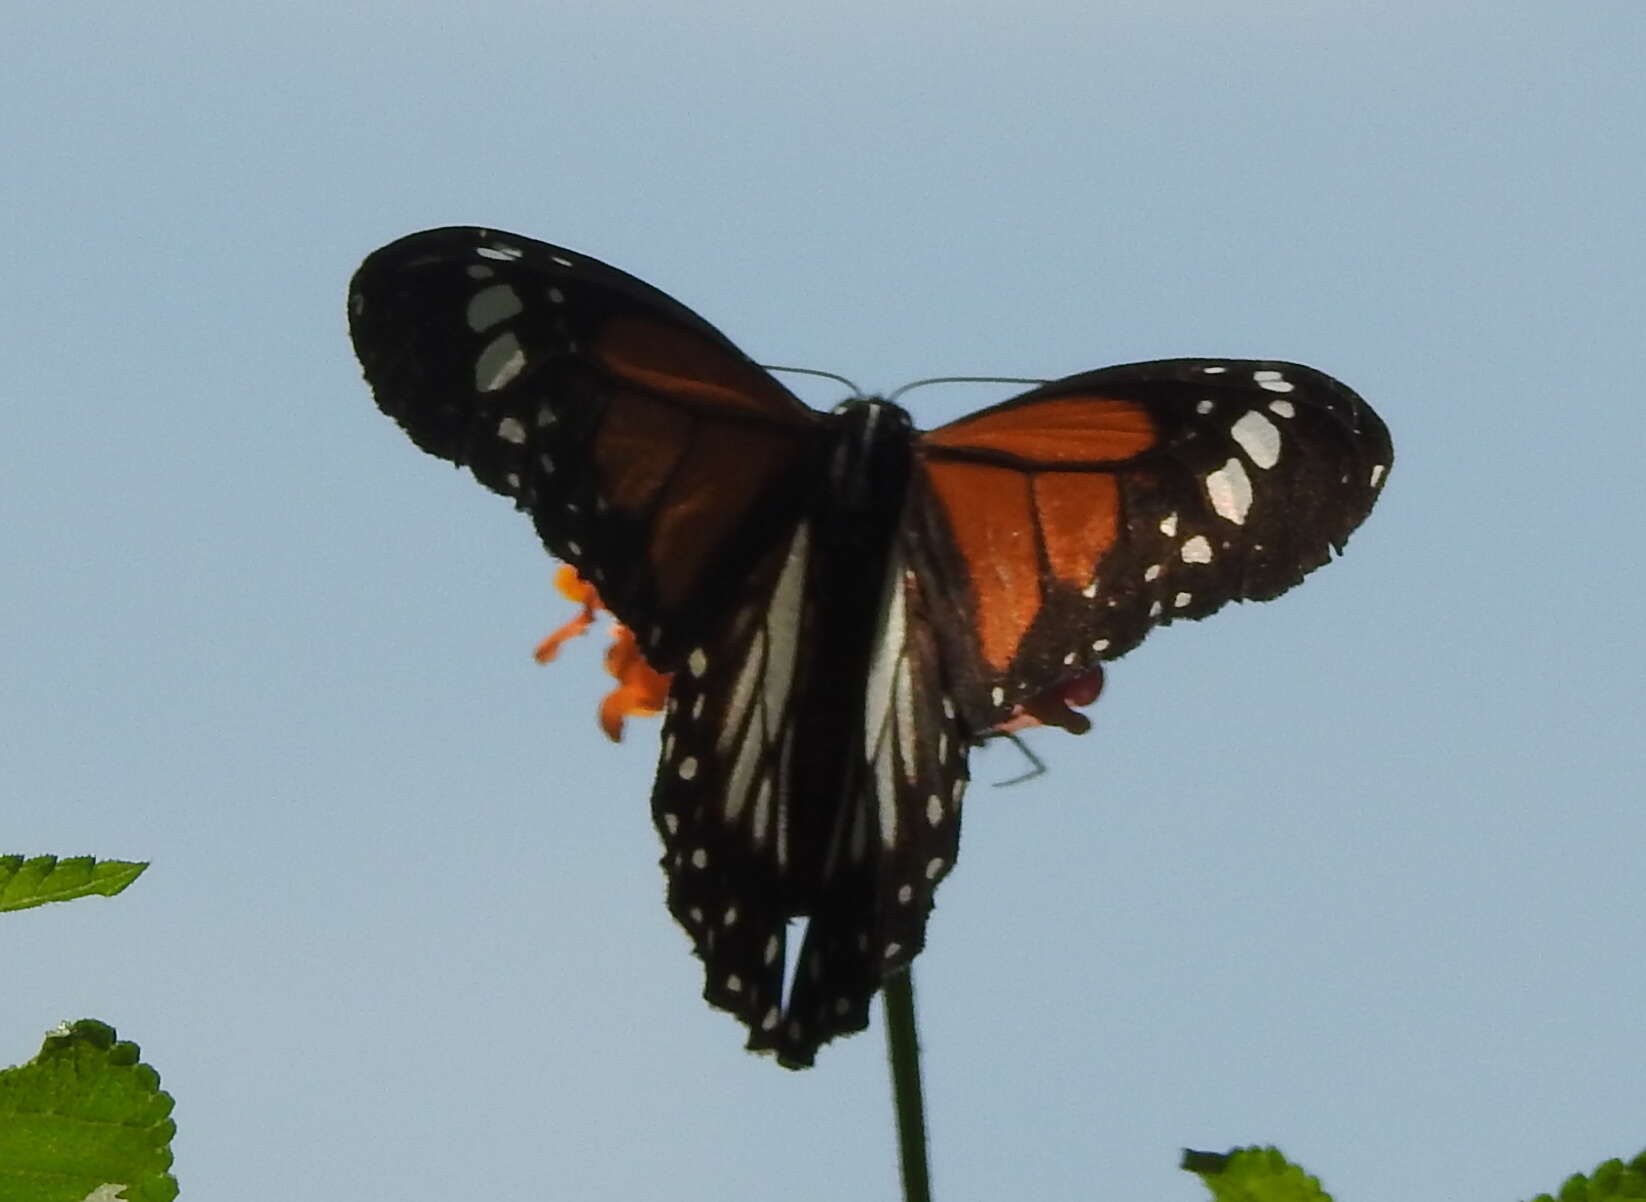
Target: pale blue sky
1357	872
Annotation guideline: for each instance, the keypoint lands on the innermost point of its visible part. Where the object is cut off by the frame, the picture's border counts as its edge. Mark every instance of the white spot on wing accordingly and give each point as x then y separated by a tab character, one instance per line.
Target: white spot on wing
1168	525
1204	407
1273	381
510	430
1152	572
1181	600
698	661
1258	437
1282	409
1197	550
934	868
688	768
500	251
1230	491
492	304
501	361
1214	371
934	809
1377	474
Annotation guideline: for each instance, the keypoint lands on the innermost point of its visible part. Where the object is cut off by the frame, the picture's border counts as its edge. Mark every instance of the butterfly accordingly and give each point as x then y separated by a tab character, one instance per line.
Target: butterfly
847	604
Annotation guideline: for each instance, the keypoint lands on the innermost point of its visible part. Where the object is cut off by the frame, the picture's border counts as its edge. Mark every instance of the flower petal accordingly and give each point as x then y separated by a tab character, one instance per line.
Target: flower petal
639	690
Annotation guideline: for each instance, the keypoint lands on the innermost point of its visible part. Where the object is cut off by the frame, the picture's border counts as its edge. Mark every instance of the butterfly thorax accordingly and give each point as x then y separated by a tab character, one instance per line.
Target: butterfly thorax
869	467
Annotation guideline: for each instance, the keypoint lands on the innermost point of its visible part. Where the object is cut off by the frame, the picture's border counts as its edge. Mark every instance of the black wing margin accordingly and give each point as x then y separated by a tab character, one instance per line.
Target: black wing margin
652	454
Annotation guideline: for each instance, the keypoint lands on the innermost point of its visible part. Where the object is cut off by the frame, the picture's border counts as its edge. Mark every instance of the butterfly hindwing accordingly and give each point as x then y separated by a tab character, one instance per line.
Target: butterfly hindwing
724	801
760	852
1068	522
652	454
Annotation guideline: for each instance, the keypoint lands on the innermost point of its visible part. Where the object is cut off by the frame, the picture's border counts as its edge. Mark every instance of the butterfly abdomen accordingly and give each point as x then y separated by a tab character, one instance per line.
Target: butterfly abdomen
854	522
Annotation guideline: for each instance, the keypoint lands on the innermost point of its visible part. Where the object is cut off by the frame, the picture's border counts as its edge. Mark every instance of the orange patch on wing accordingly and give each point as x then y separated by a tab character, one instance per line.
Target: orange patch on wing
694	518
1068	429
671	361
639	443
694	486
1079	518
991	516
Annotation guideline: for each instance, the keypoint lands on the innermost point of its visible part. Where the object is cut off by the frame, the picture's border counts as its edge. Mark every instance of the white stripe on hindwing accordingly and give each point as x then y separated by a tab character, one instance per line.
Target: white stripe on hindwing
888	678
757	711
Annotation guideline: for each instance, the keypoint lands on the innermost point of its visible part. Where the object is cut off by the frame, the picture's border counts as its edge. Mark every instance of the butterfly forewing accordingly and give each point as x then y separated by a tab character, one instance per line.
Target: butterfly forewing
1068	522
652	454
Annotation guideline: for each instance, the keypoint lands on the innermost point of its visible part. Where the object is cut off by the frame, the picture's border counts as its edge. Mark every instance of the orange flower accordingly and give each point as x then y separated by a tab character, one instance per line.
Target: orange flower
639	690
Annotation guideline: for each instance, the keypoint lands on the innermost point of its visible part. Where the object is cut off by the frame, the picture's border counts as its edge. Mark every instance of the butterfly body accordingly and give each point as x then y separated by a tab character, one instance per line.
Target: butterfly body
846	603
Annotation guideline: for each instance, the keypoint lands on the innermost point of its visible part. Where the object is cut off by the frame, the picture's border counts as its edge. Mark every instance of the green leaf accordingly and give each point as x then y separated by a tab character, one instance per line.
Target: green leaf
1612	1180
25	883
85	1121
1253	1175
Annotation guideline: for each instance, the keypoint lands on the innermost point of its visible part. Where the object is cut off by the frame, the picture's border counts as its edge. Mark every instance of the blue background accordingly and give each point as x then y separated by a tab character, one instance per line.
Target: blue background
1357	872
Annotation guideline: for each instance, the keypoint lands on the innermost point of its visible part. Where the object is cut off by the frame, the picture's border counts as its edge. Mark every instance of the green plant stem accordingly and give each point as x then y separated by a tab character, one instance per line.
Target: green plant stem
903	1052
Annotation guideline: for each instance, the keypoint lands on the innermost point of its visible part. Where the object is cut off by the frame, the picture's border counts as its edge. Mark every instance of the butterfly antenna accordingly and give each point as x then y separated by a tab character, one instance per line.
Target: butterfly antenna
1037	765
967	380
812	371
